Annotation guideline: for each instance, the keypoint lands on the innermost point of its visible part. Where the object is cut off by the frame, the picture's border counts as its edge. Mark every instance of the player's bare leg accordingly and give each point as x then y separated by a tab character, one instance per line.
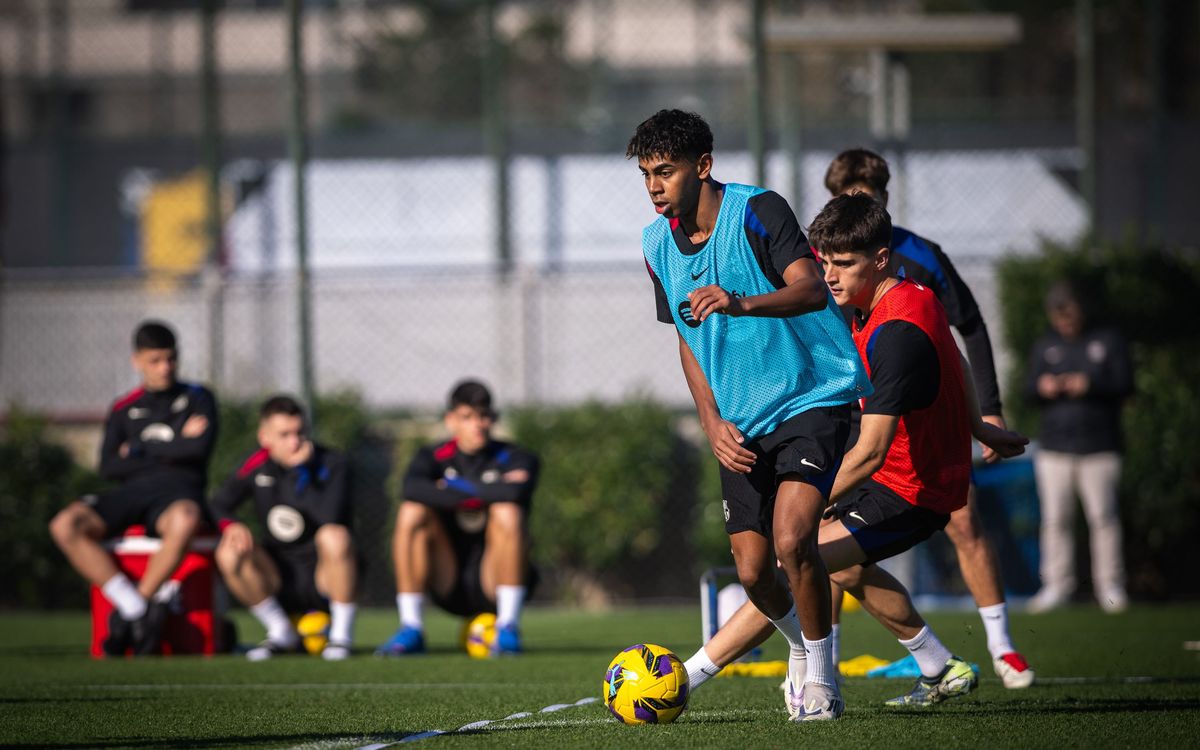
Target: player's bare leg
502	571
250	575
77	530
425	561
337	578
981	573
175	526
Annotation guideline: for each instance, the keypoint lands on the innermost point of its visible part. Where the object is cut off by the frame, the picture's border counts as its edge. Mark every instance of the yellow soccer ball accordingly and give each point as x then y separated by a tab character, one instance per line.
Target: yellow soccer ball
313	628
646	684
478	634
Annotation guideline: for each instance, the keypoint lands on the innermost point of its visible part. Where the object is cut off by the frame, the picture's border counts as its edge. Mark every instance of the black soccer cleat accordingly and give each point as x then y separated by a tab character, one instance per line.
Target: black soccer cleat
147	631
119	635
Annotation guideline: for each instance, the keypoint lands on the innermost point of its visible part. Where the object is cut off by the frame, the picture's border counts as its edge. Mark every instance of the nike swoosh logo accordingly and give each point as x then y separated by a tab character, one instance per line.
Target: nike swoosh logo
806	462
854	514
696	276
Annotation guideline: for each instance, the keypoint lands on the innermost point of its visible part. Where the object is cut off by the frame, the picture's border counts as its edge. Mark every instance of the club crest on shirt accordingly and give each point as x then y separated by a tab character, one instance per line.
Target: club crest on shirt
139	412
491	476
179	404
285	523
157	433
264	480
1096	351
450	473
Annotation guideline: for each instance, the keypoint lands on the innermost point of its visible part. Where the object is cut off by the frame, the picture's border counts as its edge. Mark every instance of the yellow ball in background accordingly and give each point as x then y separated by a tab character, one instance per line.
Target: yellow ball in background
849	603
313	628
478	634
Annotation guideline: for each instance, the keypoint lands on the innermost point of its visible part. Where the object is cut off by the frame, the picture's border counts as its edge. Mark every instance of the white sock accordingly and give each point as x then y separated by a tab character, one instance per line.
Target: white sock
341	622
508	604
929	652
410	604
836	636
275	620
125	597
995	622
789	626
820	662
700	669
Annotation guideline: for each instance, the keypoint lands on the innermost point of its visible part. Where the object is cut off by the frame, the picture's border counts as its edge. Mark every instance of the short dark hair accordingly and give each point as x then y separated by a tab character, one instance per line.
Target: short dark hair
152	334
280	404
671	133
857	166
470	393
852	223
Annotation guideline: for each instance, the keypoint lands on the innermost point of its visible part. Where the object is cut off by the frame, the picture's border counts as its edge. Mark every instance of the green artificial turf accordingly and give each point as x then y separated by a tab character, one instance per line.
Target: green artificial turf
53	695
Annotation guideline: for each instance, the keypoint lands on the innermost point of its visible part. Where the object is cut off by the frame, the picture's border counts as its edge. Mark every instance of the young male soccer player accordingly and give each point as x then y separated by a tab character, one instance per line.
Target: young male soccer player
909	469
157	442
770	365
916	258
306	557
461	530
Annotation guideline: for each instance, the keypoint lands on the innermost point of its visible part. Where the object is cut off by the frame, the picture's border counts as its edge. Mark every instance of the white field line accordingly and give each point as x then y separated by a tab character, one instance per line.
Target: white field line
484	724
311	686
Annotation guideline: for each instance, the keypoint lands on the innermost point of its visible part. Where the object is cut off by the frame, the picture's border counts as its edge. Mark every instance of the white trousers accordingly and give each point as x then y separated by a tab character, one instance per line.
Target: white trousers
1095	477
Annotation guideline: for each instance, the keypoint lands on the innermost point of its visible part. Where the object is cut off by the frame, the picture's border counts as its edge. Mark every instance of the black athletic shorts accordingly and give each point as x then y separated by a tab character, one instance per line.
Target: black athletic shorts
140	503
810	445
883	523
297	565
467	597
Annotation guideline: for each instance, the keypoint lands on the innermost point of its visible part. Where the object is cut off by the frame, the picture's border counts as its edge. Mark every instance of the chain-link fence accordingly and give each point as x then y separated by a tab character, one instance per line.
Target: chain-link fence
469	210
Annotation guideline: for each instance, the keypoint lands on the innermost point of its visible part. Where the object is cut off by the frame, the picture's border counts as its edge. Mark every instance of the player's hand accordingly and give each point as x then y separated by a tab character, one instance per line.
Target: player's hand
990	456
300	456
515	476
1075	384
713	299
194	426
1048	386
1004	443
726	442
237	537
123	451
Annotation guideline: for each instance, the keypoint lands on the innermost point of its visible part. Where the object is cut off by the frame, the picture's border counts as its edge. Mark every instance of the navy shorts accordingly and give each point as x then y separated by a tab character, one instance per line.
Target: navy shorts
810	445
883	523
467	597
297	564
140	503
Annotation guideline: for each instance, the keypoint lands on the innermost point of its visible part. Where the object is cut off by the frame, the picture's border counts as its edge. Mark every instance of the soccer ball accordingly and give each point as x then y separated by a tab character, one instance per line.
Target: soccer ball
313	628
646	684
478	635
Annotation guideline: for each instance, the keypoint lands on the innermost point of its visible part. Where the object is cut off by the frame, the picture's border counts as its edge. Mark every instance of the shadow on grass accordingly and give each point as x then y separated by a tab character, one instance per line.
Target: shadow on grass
1030	706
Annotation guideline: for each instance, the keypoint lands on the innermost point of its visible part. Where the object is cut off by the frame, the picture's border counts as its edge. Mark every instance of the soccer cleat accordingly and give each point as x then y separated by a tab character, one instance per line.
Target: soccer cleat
820	703
1113	601
406	641
957	678
119	635
793	699
269	649
1013	671
335	651
146	632
508	640
905	667
1047	599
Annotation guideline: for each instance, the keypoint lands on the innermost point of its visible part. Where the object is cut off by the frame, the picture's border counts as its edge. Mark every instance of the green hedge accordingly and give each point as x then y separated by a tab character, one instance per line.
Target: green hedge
1146	292
37	478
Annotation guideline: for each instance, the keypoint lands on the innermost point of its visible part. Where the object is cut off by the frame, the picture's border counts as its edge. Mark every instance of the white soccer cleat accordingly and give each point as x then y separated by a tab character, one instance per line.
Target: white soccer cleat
1047	599
793	699
1013	671
335	651
820	703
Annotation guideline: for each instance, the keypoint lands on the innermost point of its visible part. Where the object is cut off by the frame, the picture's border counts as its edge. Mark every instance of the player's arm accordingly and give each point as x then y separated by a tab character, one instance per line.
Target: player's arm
196	438
516	484
785	259
868	454
120	456
224	504
424	484
724	437
997	442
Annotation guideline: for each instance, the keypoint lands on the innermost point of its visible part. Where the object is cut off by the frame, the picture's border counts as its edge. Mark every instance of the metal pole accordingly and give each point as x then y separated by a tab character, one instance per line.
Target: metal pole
298	149
1085	106
60	202
495	133
790	133
757	134
213	279
1156	168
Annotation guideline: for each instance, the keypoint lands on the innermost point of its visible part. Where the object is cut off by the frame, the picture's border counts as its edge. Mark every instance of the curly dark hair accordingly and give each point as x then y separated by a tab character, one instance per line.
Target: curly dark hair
671	133
857	166
851	223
